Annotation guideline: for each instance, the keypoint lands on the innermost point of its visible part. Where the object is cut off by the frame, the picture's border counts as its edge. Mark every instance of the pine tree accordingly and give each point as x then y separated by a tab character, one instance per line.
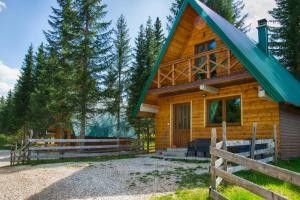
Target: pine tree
23	90
175	7
284	37
40	116
8	120
118	72
231	10
62	44
149	47
158	36
137	72
2	107
94	47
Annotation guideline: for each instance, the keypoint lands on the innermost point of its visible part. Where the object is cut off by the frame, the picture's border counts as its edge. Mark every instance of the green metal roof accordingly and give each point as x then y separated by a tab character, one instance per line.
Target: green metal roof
271	75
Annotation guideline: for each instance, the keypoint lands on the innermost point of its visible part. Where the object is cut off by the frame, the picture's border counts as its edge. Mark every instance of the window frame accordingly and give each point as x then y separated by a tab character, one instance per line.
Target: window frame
224	112
206	49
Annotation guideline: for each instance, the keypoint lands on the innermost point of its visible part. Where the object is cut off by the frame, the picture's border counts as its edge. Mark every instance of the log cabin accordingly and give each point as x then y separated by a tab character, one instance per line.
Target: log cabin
209	72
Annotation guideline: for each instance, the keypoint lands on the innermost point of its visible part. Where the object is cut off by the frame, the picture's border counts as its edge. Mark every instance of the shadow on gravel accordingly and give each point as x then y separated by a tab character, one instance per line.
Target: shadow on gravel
87	183
120	182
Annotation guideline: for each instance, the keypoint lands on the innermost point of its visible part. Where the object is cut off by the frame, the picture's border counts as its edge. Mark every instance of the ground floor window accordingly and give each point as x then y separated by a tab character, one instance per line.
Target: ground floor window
224	109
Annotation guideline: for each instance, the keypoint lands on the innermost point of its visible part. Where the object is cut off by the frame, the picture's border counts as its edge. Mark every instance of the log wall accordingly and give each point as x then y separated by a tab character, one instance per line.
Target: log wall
290	131
254	109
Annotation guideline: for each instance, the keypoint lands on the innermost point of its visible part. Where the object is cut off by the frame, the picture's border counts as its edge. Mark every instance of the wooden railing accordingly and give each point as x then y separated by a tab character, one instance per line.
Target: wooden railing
72	148
185	68
221	172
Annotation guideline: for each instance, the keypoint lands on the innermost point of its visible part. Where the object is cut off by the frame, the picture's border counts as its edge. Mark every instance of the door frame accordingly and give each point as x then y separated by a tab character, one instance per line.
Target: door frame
172	120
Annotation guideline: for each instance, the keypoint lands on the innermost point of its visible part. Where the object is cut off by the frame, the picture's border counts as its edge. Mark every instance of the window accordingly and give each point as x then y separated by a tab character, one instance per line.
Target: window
226	109
203	47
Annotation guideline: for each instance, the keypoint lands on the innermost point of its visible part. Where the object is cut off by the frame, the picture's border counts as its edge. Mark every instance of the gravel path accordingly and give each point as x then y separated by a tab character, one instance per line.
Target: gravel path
111	180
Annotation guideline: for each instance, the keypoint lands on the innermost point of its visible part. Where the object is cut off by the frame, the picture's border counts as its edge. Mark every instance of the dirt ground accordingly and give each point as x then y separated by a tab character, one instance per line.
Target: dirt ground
134	178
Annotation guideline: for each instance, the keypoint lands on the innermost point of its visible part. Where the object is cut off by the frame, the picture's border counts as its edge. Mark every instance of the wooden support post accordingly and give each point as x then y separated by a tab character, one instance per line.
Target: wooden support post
275	144
229	63
190	70
207	67
158	79
173	74
213	159
224	138
252	152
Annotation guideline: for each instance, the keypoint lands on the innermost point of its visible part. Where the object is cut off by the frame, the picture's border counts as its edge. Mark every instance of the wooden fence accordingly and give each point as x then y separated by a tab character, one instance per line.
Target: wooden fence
31	149
220	170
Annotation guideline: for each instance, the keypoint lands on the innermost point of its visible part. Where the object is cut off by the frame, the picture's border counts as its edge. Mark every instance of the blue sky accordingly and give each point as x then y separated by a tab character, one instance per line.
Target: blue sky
23	21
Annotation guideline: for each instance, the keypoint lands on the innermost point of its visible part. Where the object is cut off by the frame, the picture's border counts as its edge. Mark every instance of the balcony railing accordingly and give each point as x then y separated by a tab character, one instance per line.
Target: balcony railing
200	66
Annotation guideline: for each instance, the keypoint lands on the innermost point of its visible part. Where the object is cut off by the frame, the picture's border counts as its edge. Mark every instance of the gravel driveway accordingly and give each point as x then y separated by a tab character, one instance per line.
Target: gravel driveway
132	179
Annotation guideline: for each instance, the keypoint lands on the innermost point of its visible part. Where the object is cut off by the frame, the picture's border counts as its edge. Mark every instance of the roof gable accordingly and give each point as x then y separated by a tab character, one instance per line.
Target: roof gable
273	77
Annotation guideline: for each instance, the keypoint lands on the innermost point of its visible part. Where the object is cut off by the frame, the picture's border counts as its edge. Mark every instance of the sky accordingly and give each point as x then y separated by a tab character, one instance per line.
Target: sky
22	23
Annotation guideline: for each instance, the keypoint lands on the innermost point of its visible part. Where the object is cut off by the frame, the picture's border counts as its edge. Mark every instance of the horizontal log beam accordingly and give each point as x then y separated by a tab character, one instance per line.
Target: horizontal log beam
209	89
75	140
149	108
220	81
56	148
263	94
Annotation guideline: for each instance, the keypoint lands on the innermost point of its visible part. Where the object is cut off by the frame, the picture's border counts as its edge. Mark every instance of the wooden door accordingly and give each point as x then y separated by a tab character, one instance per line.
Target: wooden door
181	124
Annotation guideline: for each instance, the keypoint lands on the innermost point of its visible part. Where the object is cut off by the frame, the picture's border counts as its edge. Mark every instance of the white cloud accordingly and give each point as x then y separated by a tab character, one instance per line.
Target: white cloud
257	10
8	78
2	6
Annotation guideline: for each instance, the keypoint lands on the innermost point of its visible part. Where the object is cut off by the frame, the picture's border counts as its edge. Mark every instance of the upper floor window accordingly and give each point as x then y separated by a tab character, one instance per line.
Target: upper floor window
224	109
201	48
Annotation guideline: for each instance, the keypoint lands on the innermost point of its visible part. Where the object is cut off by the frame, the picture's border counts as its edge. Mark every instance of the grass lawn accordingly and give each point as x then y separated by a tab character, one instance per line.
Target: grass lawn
5	141
196	191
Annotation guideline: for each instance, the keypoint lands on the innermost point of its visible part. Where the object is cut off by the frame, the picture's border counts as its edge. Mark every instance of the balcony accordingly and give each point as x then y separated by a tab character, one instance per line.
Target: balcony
218	68
206	65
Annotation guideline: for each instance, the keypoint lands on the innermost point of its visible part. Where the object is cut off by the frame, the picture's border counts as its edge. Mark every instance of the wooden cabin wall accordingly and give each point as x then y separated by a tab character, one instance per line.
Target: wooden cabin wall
290	131
254	109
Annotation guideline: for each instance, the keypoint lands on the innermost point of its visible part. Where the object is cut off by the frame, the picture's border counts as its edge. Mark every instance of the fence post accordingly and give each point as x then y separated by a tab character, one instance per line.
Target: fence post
224	138
275	144
252	153
213	159
11	155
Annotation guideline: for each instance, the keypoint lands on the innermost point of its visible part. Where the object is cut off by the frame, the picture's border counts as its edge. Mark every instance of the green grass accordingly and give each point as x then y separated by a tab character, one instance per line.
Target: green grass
237	193
6	141
94	159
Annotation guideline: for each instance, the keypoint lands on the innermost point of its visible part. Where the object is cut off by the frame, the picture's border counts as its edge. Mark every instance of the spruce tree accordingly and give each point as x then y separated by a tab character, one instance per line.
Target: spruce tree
8	117
284	36
23	90
62	44
93	57
39	118
231	10
149	47
118	72
137	71
159	37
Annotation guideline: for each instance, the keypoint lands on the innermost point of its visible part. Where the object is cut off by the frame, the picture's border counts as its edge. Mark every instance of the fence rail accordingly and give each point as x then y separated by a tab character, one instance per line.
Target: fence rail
220	172
61	148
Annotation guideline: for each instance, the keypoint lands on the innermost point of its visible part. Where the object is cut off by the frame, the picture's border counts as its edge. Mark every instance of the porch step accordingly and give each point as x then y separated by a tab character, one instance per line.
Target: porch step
176	152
